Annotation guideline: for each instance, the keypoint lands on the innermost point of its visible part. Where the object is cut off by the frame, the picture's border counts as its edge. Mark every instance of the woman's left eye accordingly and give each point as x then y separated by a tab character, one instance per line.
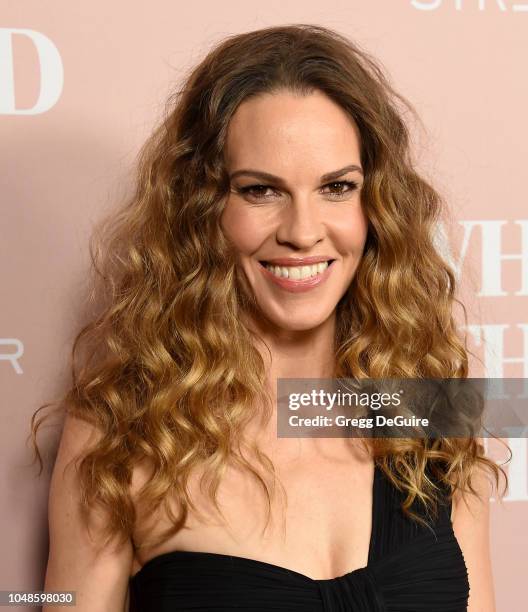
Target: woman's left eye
341	185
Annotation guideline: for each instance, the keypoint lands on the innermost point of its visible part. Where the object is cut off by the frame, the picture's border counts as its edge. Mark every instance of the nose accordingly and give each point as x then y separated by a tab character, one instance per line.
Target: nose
300	223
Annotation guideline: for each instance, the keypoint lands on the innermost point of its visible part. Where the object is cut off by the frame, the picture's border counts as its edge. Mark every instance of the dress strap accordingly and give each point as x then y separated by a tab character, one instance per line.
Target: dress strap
391	528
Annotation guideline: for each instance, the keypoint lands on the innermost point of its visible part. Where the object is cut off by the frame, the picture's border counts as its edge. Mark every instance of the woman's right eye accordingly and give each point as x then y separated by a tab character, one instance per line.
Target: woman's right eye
255	191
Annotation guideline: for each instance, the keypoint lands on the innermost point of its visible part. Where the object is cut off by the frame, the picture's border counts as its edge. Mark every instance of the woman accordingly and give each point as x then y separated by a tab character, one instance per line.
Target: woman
278	230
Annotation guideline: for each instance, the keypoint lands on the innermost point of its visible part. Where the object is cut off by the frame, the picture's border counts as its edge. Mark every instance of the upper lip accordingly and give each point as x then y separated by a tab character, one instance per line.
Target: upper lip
297	261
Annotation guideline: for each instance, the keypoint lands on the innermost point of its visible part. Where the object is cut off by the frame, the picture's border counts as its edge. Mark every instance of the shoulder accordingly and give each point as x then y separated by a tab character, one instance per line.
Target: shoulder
470	519
76	562
77	436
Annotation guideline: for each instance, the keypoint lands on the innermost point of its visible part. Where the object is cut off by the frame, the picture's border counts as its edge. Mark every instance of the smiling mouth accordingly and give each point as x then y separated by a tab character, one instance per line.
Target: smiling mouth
297	272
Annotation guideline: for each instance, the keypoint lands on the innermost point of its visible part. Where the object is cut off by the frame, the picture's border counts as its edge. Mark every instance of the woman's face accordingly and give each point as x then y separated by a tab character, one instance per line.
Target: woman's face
294	210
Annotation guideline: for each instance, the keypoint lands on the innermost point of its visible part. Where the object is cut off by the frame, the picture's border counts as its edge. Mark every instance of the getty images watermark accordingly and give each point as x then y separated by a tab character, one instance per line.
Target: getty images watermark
402	407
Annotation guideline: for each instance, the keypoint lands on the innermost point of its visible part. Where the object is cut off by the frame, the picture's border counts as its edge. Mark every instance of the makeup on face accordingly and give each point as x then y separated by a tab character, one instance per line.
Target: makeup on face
297	274
294	211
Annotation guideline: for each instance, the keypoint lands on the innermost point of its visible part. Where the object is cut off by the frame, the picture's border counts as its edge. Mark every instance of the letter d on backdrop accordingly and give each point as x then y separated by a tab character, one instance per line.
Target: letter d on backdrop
51	72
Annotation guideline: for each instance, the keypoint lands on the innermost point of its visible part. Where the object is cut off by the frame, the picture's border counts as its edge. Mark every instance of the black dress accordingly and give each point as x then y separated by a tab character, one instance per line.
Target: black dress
411	568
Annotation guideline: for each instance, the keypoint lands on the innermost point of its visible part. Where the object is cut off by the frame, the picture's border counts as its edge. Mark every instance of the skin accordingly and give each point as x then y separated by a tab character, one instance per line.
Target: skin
298	139
470	518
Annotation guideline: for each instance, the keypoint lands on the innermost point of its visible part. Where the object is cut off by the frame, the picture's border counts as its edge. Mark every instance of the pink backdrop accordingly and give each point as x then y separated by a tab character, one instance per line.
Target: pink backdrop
81	84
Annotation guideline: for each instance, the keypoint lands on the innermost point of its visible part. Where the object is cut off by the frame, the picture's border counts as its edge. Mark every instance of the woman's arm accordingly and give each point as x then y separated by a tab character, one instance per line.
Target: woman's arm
470	517
100	580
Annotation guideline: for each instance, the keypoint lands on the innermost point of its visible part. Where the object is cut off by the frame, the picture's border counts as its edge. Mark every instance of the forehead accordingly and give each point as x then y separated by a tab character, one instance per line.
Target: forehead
281	130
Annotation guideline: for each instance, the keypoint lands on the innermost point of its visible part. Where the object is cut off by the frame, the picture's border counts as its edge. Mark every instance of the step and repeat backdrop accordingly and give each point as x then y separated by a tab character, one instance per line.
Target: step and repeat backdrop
81	86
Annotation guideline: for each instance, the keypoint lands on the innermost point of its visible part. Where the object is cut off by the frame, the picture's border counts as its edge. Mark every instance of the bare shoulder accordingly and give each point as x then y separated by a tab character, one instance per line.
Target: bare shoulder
75	562
470	518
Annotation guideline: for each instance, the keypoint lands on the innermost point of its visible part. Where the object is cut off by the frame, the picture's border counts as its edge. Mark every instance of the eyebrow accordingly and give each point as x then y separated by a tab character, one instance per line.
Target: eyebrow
266	176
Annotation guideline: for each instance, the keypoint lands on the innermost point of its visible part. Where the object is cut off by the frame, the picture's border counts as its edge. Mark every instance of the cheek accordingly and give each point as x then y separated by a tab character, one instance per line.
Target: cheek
350	231
245	227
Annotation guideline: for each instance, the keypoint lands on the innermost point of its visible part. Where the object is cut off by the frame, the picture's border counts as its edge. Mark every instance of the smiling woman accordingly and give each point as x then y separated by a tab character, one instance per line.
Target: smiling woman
278	230
302	215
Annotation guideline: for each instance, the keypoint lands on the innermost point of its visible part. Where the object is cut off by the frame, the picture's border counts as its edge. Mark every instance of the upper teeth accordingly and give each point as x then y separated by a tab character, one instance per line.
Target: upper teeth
297	272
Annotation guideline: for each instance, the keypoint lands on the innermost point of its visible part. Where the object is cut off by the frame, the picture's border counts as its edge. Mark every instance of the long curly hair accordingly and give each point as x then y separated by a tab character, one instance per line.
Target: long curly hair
165	369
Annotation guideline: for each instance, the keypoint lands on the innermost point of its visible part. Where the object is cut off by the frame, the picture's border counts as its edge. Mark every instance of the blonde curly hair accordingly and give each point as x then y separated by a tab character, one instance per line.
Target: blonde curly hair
165	369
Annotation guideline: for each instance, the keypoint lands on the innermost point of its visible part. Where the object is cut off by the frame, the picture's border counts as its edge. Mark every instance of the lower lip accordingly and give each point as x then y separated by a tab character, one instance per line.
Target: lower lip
301	285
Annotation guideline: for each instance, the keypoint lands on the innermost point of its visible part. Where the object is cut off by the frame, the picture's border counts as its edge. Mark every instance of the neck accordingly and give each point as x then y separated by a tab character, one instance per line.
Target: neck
287	353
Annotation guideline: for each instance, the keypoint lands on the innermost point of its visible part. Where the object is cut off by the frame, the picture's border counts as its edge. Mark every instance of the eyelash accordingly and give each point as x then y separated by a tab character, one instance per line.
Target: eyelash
352	186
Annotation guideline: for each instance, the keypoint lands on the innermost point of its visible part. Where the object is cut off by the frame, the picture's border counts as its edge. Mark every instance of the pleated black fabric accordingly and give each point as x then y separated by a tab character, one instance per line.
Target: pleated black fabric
411	568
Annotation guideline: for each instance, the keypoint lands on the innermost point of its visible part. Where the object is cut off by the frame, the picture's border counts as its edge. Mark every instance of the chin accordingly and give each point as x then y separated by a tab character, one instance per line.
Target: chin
298	323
